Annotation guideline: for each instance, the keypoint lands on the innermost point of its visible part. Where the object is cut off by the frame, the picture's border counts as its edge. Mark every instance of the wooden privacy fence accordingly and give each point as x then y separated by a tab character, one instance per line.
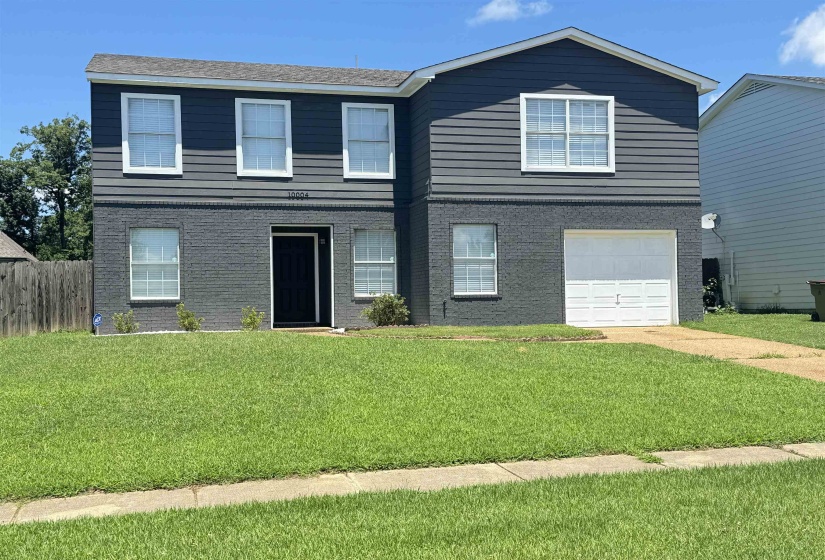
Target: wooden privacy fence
45	297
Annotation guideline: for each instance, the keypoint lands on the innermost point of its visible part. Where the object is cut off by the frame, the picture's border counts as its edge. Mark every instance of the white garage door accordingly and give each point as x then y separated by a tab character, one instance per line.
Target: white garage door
620	278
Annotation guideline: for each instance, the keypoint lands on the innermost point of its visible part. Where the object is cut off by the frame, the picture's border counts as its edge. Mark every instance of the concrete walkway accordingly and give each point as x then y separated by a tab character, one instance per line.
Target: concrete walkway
775	356
427	479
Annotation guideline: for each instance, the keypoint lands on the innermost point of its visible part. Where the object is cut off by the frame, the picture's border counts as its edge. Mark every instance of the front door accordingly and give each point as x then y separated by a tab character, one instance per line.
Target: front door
293	279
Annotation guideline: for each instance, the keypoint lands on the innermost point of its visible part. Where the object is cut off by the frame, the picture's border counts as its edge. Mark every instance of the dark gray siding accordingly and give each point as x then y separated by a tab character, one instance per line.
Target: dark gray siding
420	130
209	161
475	142
531	254
225	261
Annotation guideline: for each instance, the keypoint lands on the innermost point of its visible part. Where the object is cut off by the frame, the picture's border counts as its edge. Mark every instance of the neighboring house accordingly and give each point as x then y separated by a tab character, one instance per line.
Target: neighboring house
547	181
762	152
12	252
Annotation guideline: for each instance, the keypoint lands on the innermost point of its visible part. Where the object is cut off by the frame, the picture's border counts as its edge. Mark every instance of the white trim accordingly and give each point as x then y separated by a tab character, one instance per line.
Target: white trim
177	262
674	282
453	257
124	131
345	130
394	263
271	274
287	105
740	85
420	77
611	135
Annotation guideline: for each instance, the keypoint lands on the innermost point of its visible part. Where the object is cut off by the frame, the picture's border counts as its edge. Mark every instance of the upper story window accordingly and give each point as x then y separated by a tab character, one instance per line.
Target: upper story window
150	125
263	137
567	133
369	141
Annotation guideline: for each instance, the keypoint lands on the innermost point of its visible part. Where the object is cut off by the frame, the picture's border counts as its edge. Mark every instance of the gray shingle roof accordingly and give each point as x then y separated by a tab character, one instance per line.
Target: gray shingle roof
11	250
187	68
811	79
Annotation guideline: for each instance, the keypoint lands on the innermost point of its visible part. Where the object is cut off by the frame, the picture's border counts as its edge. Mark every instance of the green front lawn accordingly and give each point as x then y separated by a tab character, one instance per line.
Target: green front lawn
518	332
766	511
790	328
121	413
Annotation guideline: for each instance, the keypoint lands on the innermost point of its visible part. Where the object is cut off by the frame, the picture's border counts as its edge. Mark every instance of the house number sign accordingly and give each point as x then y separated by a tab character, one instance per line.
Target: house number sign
298	194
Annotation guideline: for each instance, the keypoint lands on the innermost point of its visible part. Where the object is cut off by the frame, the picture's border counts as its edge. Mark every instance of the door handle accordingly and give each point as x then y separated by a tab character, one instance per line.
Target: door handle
617	298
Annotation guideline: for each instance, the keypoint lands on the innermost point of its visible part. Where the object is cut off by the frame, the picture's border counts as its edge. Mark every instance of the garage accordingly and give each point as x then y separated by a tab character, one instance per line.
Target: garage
620	278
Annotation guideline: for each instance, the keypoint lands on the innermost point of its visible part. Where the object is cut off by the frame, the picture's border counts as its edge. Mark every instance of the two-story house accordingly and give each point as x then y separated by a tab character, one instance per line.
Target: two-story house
551	180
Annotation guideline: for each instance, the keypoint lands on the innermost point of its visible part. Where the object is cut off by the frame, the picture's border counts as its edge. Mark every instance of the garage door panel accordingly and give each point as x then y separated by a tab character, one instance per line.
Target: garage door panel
619	278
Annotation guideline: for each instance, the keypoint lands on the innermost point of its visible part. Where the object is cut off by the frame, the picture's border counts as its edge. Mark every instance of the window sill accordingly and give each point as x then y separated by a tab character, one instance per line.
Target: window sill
475	296
563	170
167	172
361	177
173	301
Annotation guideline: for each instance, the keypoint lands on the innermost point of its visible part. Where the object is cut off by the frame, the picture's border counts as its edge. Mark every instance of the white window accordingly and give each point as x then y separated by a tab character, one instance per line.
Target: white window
369	141
150	128
154	259
374	262
474	260
263	137
567	133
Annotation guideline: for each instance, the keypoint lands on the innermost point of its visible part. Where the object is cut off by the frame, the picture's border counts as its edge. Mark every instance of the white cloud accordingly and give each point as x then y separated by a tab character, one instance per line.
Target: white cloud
711	99
807	39
509	10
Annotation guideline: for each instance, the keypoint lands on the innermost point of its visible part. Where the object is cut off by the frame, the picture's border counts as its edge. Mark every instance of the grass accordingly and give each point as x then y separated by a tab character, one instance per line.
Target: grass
519	332
767	512
159	411
789	328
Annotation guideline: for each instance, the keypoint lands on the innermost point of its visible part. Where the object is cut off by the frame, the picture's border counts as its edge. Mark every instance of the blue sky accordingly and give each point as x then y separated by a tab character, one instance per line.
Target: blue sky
45	44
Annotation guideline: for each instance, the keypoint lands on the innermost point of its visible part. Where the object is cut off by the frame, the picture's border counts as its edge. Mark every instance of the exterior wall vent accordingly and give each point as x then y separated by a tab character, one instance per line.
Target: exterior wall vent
753	88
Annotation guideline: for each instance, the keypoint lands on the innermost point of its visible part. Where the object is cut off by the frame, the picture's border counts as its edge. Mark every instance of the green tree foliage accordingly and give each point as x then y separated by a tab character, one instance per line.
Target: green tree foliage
54	165
18	204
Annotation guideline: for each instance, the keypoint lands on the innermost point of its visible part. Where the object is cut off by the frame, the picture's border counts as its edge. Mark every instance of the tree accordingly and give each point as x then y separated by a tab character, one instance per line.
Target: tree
58	166
18	204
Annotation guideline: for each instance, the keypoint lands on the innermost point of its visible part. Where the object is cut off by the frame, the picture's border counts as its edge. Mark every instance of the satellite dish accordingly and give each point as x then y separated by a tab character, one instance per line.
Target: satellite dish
709	221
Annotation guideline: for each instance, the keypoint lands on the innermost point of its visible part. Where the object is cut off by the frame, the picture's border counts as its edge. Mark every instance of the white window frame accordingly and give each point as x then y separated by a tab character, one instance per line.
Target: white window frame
611	134
356	262
124	129
345	129
287	105
494	259
132	297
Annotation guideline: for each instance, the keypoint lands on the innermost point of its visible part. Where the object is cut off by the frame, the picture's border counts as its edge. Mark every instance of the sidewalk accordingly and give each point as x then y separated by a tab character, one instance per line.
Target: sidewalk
427	479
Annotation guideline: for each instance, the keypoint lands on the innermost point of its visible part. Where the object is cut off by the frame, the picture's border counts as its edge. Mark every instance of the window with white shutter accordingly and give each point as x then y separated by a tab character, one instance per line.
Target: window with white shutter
374	262
475	260
567	133
154	262
263	134
369	140
151	133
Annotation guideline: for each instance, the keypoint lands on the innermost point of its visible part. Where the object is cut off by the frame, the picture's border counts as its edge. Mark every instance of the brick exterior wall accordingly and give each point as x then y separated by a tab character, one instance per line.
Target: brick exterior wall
225	260
531	255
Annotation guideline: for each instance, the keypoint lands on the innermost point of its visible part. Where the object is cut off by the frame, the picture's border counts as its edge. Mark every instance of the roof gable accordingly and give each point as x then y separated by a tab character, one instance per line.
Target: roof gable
9	249
751	83
278	77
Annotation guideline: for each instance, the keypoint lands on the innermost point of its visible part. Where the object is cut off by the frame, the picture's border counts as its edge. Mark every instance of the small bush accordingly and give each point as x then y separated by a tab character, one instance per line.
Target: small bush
387	309
250	319
727	309
772	309
125	322
187	320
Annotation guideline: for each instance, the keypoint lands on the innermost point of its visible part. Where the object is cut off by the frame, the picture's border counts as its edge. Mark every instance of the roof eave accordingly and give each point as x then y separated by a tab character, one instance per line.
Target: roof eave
406	88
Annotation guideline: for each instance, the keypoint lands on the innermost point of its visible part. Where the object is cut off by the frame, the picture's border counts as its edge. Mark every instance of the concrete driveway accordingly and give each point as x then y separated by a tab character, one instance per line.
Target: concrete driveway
775	356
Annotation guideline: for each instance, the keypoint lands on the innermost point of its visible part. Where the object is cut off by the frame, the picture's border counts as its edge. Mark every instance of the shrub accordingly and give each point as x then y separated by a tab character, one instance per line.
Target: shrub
772	309
711	294
727	309
125	322
387	309
250	319
187	320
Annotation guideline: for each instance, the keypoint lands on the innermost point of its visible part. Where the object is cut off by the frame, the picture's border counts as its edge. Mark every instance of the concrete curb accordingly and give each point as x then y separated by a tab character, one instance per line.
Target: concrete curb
426	479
